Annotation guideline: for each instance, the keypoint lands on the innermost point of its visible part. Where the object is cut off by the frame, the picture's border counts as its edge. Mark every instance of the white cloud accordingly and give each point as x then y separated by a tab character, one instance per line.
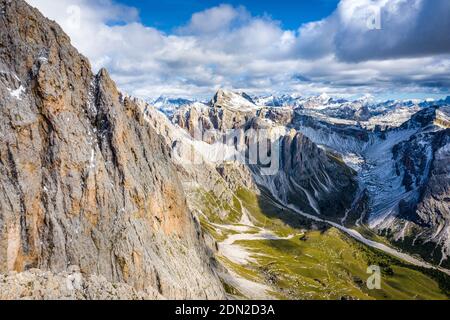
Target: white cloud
381	29
217	19
226	46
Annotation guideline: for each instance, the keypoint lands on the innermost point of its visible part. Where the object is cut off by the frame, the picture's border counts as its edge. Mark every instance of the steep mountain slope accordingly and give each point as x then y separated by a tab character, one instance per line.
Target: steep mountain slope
314	180
422	218
397	168
304	175
169	106
84	180
226	111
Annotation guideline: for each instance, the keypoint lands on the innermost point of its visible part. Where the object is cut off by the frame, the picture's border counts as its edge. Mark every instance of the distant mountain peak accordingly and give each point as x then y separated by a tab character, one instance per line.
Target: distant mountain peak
233	101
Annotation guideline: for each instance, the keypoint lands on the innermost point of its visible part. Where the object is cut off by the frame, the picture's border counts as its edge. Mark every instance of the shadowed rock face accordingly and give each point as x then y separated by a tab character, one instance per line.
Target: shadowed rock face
311	178
434	207
83	179
423	163
317	181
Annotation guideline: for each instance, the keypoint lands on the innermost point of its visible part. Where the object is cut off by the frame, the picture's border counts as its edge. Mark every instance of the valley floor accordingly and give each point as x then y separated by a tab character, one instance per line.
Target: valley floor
268	251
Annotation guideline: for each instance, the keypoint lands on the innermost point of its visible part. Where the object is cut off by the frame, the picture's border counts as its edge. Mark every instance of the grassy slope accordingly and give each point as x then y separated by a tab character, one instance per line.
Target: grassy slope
318	263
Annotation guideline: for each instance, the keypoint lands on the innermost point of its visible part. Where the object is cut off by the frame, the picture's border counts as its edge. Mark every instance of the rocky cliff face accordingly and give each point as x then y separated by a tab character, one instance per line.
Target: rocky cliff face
226	111
434	206
85	180
198	173
305	175
423	164
313	179
403	173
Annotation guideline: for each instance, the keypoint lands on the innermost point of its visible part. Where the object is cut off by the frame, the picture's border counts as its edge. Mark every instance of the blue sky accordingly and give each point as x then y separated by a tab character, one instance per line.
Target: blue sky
346	48
169	14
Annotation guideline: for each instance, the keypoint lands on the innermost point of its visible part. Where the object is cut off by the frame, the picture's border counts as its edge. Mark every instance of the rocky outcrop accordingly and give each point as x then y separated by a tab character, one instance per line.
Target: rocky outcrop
423	163
84	179
69	285
280	116
198	173
434	207
405	174
226	111
302	174
313	179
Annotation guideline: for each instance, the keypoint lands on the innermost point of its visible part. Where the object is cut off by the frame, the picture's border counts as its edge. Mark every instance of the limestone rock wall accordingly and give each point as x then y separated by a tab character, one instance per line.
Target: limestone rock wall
84	180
